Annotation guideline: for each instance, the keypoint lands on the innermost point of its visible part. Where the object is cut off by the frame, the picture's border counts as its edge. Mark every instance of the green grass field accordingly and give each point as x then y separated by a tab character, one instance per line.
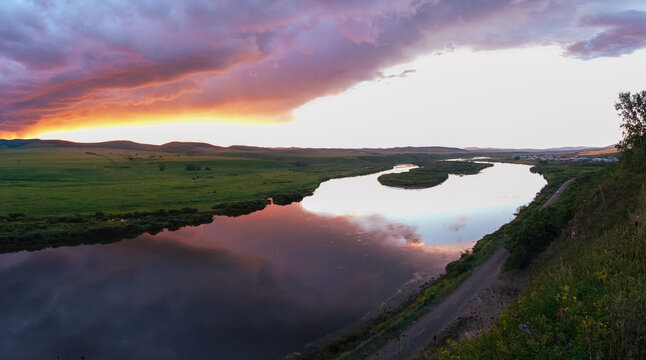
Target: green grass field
66	183
69	195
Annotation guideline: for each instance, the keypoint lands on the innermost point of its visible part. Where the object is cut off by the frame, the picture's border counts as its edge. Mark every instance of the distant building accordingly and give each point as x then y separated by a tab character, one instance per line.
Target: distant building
608	159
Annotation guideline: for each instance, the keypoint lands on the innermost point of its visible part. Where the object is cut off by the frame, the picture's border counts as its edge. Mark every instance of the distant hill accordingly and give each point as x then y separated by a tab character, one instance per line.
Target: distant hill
558	149
37	144
195	148
190	148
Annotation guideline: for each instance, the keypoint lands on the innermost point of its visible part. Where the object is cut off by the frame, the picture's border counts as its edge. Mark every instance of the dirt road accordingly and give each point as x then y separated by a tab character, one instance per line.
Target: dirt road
426	329
556	194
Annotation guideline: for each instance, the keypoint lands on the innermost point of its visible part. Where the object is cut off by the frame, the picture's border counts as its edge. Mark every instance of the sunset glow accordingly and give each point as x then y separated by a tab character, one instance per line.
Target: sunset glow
322	179
423	107
270	73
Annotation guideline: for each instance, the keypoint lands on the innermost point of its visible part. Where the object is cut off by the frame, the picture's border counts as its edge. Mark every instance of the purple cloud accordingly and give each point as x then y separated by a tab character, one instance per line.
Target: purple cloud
623	33
79	60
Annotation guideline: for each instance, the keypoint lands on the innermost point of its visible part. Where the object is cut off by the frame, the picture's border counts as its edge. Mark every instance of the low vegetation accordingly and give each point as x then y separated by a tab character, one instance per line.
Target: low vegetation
587	295
53	196
20	232
586	298
360	342
533	230
431	174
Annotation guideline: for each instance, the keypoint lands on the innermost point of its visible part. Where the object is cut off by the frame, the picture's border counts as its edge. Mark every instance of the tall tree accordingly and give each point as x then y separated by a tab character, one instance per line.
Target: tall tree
632	109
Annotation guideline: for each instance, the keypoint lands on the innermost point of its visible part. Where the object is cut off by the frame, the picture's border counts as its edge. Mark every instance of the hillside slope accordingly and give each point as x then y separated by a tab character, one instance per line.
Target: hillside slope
587	293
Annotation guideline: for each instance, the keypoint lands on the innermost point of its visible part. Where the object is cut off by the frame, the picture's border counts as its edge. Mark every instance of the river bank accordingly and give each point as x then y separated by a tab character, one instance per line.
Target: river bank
367	340
584	295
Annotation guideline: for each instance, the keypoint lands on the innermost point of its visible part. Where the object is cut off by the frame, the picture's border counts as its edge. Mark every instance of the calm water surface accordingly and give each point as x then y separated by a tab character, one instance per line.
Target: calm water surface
252	287
453	214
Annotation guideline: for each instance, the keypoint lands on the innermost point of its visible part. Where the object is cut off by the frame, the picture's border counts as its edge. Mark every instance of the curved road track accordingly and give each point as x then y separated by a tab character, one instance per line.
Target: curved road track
556	195
424	331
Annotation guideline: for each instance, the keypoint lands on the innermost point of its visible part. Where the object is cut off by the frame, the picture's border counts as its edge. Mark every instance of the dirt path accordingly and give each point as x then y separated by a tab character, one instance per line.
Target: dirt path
426	330
556	194
482	312
423	332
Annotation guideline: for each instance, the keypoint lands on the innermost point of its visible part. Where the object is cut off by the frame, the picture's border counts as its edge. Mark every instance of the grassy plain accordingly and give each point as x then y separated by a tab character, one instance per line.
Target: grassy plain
61	195
69	183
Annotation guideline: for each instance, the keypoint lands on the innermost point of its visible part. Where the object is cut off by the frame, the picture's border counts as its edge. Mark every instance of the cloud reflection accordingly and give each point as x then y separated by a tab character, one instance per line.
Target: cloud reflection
276	279
452	214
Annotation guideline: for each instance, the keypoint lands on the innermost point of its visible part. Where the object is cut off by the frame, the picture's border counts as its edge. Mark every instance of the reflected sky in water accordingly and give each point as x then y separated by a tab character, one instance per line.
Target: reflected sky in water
453	214
252	287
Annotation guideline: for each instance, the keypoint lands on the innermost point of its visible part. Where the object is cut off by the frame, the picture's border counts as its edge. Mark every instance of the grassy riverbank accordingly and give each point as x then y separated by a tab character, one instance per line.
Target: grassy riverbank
360	342
431	174
69	183
57	194
586	297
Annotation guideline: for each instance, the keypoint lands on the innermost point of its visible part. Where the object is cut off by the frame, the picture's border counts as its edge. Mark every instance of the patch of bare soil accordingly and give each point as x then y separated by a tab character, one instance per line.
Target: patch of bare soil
482	312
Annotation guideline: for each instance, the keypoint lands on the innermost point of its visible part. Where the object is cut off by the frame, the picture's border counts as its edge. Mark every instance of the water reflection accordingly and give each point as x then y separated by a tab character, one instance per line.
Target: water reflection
253	287
453	214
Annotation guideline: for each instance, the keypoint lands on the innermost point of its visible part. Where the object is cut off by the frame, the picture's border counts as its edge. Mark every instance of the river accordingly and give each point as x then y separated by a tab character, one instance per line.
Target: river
257	286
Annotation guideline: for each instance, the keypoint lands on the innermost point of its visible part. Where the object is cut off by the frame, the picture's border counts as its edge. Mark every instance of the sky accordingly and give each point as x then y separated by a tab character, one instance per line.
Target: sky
320	73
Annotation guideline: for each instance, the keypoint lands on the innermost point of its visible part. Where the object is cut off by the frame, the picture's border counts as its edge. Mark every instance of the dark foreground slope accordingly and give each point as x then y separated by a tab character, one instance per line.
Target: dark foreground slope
586	298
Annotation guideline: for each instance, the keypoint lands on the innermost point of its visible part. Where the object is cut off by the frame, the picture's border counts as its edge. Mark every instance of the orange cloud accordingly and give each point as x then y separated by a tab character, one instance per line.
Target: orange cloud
145	62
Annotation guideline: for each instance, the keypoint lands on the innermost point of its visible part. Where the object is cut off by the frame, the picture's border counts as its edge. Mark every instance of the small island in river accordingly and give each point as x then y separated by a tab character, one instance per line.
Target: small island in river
431	174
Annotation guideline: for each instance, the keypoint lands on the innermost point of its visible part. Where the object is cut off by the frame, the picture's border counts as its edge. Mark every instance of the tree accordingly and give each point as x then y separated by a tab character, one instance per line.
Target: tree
192	167
632	109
